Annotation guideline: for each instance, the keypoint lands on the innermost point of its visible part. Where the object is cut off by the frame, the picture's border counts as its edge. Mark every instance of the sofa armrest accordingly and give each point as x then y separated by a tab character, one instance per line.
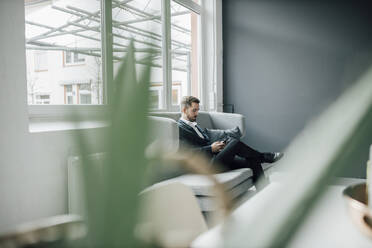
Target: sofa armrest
164	134
170	215
228	121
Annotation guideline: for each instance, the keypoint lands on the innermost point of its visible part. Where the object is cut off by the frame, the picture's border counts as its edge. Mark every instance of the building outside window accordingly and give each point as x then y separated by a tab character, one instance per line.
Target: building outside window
79	93
73	58
71	37
155	96
43	99
156	91
85	94
176	93
69	94
74	36
41	61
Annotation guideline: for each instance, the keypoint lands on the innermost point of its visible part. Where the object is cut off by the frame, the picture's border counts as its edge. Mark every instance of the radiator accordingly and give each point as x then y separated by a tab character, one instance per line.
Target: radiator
75	183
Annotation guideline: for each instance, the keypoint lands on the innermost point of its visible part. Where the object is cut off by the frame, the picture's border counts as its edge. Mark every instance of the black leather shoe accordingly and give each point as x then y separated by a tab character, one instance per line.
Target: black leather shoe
272	157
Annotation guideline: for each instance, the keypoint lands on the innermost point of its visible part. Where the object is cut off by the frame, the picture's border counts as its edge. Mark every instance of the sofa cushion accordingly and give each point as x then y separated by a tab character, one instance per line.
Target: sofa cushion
218	134
204	120
208	203
203	186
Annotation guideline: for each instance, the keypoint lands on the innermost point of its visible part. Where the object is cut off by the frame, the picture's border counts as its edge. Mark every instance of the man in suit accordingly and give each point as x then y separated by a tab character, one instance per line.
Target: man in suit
231	153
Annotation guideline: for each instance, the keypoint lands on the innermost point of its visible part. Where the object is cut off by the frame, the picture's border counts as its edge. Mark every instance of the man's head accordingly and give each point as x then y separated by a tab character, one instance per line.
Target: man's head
190	108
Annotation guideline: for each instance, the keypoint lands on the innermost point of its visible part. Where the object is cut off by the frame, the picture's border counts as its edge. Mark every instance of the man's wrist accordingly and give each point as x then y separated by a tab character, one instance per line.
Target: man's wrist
211	149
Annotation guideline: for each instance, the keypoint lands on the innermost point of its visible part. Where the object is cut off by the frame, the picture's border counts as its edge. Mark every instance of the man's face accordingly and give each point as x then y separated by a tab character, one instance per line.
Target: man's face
191	112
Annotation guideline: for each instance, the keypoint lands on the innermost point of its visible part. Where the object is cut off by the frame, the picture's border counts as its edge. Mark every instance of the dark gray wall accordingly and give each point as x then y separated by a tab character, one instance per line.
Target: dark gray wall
286	61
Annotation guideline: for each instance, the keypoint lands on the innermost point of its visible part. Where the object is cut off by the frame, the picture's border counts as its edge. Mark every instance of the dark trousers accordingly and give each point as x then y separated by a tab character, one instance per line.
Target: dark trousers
238	155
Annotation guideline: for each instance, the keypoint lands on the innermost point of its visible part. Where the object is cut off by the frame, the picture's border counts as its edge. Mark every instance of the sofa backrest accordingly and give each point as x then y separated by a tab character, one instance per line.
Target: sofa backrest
204	119
172	115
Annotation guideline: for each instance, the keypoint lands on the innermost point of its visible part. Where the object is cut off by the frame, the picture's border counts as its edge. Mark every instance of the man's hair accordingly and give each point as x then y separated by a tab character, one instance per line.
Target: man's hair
188	100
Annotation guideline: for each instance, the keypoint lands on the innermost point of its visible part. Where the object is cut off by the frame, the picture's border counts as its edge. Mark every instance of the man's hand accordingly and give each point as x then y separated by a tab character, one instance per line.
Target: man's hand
217	146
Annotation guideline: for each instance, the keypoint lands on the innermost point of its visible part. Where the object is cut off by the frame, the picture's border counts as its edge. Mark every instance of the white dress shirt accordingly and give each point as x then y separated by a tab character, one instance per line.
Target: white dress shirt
193	125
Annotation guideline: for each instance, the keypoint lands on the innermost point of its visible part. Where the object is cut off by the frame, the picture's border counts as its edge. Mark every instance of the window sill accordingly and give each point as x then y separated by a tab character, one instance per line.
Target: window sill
56	118
66	117
64	125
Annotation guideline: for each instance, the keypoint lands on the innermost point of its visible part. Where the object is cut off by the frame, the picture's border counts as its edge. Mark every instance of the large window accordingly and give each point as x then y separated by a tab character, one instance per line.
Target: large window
64	53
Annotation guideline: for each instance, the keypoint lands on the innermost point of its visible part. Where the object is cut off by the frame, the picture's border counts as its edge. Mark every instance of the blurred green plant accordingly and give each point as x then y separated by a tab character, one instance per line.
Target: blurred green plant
111	190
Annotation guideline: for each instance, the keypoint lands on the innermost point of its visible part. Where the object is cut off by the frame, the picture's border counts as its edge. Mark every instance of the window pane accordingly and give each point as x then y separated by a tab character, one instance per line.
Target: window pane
78	58
85	94
155	96
69	100
185	52
68	88
141	21
41	60
63	50
175	96
42	99
85	98
68	57
85	87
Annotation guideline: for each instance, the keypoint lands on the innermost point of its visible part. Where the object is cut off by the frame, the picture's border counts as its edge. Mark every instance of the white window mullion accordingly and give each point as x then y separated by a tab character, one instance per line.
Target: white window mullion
107	49
218	72
205	62
188	74
212	47
167	56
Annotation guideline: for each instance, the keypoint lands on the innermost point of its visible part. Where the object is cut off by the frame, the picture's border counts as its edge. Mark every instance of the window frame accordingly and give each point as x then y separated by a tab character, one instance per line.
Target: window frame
53	111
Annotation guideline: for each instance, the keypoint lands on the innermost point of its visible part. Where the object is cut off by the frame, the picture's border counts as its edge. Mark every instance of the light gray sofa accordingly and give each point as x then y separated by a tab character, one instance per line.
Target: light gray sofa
165	134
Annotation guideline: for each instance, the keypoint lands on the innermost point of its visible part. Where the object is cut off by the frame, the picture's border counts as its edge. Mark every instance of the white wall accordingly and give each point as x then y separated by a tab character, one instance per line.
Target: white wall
33	167
286	61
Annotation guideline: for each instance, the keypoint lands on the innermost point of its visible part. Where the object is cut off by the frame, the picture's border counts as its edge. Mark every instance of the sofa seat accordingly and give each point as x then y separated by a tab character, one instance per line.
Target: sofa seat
202	186
235	182
208	203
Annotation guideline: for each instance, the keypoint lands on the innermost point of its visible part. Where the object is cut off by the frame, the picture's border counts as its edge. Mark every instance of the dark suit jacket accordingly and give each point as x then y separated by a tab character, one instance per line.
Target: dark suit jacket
189	138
